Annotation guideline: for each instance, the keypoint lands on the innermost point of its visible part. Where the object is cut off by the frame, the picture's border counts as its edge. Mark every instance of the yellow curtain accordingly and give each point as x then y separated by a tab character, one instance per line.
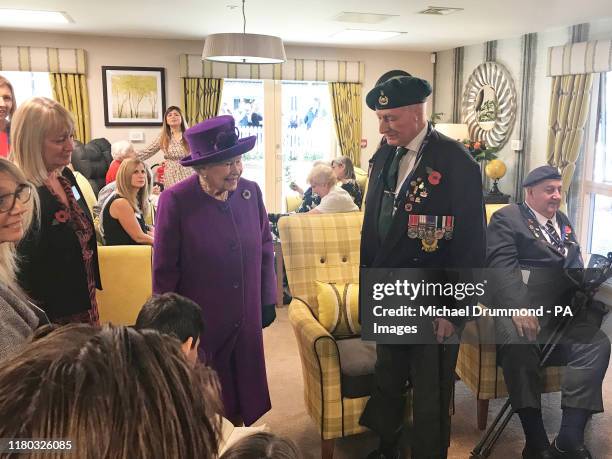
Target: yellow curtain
569	107
347	108
201	98
70	90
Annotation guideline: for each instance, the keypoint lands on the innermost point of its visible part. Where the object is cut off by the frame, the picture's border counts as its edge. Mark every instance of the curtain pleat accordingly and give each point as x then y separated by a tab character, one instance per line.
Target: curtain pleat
569	107
70	90
347	110
201	98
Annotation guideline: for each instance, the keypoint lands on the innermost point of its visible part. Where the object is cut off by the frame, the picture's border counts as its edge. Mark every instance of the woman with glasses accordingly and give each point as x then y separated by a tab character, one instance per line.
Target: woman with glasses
59	258
18	317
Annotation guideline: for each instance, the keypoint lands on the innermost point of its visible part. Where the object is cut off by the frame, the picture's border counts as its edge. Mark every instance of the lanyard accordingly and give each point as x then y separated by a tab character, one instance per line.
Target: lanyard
419	157
545	228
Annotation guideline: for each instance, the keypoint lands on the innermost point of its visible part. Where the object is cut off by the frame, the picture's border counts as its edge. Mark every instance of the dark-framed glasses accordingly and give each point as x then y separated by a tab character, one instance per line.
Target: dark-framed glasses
23	192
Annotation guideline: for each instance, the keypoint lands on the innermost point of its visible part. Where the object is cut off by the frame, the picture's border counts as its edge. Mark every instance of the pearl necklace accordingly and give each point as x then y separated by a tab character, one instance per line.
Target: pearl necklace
206	188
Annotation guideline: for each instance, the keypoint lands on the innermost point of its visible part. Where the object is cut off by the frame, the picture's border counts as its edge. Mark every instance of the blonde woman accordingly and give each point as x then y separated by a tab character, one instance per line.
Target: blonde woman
171	141
334	199
123	215
18	317
345	173
59	260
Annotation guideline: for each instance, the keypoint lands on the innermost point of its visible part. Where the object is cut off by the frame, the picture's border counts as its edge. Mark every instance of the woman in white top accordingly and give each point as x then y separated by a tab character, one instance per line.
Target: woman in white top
334	199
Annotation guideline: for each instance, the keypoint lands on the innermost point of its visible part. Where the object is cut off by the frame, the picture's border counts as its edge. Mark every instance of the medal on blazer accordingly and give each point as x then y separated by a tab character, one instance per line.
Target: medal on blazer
429	241
413	223
448	224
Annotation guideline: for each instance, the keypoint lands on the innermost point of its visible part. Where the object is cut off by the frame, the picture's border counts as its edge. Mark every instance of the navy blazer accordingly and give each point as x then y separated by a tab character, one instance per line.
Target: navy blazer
515	243
458	194
52	271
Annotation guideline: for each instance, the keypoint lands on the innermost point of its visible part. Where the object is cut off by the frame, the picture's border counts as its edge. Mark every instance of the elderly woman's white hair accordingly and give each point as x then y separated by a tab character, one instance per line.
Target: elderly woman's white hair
122	149
322	174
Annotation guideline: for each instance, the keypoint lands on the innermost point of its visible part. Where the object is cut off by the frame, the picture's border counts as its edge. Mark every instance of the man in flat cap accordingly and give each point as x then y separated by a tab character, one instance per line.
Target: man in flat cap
424	209
534	236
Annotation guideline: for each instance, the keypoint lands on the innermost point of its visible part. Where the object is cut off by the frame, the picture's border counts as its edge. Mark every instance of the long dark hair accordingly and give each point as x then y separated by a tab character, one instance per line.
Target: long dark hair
115	392
166	134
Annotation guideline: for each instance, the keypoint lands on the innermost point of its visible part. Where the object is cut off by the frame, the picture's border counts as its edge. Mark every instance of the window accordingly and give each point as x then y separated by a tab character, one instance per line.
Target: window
29	84
597	185
294	127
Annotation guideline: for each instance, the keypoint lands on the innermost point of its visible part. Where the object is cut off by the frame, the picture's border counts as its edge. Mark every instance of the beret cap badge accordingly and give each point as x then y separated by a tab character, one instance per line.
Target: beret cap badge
383	100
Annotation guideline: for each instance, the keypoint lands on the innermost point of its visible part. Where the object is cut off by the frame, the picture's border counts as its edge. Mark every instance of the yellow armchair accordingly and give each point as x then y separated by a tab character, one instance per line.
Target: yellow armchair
325	247
477	363
127	282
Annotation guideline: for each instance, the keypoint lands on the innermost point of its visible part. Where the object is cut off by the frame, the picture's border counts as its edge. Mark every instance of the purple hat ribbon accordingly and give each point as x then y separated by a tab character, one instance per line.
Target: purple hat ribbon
226	139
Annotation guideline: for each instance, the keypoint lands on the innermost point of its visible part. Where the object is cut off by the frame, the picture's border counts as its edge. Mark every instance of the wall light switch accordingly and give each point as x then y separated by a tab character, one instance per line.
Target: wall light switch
136	136
516	144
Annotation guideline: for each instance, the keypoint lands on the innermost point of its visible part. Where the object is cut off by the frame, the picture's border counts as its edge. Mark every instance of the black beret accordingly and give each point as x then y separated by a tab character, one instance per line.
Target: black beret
398	91
541	173
390	74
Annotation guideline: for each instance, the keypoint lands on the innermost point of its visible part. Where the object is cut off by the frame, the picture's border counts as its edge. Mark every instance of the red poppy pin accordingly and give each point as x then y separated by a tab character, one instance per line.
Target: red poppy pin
568	230
61	216
434	177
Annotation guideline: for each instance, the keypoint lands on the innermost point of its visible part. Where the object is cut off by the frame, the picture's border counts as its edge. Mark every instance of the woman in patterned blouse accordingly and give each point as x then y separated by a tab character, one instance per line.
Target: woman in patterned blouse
59	258
173	145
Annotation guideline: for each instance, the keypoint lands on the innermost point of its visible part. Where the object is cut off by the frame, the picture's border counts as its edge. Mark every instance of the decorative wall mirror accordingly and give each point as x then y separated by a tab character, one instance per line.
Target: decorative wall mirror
489	104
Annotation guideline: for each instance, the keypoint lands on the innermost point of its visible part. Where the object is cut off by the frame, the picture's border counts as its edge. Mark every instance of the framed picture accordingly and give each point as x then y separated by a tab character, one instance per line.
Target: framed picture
134	96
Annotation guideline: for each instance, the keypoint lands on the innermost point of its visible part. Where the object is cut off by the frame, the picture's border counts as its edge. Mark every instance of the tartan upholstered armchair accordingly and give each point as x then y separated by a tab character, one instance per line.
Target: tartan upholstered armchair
477	363
325	248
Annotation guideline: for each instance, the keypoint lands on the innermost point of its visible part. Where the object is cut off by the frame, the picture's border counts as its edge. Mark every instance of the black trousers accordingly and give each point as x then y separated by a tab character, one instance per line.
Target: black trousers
584	350
397	368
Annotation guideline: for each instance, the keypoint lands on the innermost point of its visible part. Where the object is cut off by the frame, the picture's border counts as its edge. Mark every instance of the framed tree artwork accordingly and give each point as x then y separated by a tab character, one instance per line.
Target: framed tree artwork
133	96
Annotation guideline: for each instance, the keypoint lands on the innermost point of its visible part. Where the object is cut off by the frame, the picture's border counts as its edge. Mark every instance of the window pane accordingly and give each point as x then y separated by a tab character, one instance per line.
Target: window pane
29	84
602	166
307	130
244	100
601	238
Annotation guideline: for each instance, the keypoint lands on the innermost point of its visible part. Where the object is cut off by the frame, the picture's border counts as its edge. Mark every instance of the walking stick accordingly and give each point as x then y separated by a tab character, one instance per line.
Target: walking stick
598	272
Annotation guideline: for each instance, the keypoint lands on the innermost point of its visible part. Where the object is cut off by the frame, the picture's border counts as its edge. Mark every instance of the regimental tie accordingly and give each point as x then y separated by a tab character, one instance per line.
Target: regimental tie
388	200
554	236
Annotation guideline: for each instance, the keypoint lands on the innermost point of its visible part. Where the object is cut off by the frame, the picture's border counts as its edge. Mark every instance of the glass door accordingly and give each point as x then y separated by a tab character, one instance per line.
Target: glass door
244	100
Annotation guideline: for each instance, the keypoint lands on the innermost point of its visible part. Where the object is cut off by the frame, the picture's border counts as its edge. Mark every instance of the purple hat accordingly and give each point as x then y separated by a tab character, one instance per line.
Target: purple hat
215	140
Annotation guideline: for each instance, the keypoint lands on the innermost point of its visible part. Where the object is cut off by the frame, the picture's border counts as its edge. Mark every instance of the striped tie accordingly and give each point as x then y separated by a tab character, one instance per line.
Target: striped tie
554	236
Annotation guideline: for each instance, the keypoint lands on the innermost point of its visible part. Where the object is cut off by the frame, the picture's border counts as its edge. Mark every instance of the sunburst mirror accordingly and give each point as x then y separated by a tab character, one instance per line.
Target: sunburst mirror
489	104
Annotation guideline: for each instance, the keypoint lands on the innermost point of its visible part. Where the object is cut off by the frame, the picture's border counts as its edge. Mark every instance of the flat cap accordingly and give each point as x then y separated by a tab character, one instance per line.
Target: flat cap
398	91
540	174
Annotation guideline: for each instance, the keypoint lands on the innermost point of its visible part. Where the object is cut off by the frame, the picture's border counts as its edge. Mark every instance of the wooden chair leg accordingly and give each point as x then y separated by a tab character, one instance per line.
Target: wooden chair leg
482	412
327	448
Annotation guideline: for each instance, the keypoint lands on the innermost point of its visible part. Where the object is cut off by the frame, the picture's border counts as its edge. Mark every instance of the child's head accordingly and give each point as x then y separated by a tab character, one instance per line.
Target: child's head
262	445
173	314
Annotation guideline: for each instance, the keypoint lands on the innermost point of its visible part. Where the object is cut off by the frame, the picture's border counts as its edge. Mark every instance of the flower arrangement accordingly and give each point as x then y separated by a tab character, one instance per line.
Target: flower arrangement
479	150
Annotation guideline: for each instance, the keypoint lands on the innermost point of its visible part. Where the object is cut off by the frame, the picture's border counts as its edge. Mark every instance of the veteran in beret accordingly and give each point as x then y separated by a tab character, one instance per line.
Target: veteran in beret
424	209
536	237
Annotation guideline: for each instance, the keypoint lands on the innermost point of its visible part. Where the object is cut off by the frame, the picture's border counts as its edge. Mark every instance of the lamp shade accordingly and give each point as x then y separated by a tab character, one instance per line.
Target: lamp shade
244	48
454	131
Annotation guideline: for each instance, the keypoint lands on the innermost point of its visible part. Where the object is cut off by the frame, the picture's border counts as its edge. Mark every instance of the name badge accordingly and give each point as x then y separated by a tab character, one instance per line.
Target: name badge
76	193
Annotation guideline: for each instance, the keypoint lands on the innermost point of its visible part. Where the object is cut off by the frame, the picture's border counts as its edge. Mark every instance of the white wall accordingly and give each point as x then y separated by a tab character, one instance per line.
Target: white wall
165	53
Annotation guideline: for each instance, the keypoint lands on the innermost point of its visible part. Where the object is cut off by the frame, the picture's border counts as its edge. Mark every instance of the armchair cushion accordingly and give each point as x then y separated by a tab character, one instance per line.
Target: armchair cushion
357	360
339	308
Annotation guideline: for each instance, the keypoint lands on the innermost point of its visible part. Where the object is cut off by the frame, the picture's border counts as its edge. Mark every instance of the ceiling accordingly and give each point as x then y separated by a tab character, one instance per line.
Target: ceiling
311	22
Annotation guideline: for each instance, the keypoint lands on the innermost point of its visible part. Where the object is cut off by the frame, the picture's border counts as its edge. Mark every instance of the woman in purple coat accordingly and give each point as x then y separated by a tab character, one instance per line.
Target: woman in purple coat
213	245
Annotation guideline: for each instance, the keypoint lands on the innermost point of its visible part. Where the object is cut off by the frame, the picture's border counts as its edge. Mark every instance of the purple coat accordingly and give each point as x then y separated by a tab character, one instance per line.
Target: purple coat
220	254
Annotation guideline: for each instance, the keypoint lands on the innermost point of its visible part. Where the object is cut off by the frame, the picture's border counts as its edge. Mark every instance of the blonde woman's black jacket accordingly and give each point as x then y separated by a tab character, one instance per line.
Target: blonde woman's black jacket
52	271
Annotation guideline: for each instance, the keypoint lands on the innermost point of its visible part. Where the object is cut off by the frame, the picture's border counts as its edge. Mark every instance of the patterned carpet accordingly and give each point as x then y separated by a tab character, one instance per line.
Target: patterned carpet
288	417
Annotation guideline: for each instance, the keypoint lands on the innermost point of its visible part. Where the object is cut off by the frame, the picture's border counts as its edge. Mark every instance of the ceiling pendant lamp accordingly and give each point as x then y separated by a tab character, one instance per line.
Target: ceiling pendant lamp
244	48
